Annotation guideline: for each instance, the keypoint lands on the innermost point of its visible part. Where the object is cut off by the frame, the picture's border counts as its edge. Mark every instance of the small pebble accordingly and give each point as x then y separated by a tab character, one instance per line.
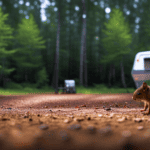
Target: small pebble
116	104
140	127
77	107
111	115
96	107
100	115
26	117
74	127
91	128
66	121
126	133
5	119
137	119
43	127
9	108
89	118
106	130
54	117
117	116
78	119
121	119
107	109
30	119
71	116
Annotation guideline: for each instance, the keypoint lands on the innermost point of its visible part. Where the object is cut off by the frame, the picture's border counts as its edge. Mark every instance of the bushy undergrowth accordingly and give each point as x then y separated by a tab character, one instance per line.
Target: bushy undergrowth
25	88
13	85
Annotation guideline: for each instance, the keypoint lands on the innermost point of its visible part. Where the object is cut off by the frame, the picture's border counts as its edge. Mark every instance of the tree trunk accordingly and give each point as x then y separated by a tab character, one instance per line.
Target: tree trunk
69	52
103	72
26	77
69	44
82	45
54	72
81	58
109	76
85	66
56	68
85	59
113	73
57	52
2	72
122	75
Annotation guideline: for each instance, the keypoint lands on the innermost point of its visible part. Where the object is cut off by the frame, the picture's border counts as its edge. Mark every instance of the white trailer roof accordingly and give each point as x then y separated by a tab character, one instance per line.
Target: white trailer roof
139	65
70	81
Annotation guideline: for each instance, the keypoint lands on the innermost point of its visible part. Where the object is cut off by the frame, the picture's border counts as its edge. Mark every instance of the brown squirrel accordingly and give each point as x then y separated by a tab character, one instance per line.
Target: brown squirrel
142	94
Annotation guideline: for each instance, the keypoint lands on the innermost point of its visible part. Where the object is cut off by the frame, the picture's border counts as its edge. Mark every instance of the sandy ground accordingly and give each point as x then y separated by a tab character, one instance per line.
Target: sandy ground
73	122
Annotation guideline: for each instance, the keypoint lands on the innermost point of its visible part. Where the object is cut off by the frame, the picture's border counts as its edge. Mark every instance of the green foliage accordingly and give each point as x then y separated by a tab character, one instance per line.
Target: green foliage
42	78
28	34
15	88
29	58
99	85
5	30
28	89
117	37
76	81
148	82
70	38
28	85
5	36
13	85
7	71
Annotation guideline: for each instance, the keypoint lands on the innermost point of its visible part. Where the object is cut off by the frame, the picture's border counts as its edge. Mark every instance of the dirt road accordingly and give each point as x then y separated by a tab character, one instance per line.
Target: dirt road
66	103
72	121
43	101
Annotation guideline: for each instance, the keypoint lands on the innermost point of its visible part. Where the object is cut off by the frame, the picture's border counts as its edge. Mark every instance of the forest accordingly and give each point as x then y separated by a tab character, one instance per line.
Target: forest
79	40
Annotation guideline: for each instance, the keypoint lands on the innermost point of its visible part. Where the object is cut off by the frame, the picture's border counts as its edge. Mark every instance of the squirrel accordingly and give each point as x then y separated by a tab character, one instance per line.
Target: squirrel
142	94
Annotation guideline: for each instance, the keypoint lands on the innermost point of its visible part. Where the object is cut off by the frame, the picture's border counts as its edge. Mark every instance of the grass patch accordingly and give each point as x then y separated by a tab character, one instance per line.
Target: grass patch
98	89
25	90
101	89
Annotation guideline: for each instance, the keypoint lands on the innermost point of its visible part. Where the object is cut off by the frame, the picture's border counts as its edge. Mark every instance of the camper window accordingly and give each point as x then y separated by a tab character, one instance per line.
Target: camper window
147	63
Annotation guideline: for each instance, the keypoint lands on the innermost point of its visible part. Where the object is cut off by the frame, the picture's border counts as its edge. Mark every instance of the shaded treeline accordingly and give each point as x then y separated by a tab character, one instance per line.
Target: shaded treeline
76	42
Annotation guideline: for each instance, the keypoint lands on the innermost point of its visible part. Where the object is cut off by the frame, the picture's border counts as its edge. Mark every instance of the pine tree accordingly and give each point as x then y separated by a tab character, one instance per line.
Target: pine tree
5	36
30	44
116	41
117	37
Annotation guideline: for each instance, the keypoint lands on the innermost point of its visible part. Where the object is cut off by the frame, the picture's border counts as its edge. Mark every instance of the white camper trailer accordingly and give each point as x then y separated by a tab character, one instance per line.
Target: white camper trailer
69	86
141	68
